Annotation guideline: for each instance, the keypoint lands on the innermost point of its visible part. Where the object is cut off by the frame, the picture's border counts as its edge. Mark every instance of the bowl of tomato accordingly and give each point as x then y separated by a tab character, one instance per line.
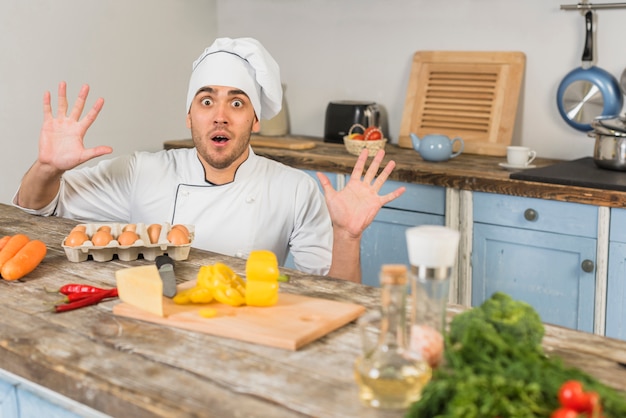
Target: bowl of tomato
360	137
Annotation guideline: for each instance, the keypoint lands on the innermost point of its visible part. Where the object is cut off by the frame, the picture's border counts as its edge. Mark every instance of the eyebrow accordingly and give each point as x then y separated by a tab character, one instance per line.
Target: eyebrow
233	92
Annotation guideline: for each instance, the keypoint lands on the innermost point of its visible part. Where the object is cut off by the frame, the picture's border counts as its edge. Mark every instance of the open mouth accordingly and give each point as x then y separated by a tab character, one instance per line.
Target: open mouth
219	139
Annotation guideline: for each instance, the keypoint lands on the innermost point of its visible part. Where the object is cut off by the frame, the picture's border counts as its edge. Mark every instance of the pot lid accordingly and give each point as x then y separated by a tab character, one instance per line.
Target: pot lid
612	123
601	130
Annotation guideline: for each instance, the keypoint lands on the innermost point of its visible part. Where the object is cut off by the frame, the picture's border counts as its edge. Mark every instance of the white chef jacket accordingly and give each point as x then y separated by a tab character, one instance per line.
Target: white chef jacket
268	206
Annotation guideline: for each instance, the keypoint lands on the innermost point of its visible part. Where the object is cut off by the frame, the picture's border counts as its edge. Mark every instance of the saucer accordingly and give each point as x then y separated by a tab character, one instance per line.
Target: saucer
512	167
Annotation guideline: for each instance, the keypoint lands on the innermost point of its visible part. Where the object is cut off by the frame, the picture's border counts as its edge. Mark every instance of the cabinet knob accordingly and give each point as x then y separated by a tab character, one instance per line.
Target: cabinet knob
587	266
530	214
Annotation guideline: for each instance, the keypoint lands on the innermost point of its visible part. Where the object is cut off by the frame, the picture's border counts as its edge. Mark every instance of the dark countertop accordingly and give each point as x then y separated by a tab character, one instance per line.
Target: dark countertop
130	368
466	172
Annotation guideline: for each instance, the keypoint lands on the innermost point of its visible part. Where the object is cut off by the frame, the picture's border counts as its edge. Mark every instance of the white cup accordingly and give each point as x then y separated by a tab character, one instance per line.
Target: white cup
519	156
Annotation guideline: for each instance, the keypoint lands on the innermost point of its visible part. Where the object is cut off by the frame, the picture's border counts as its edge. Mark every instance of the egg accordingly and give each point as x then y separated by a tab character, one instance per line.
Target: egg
76	238
101	238
130	227
177	237
182	228
81	228
154	231
127	238
106	228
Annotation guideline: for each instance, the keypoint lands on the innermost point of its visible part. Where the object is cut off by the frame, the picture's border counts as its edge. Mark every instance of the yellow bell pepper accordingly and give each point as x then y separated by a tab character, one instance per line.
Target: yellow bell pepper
225	285
220	282
262	278
195	294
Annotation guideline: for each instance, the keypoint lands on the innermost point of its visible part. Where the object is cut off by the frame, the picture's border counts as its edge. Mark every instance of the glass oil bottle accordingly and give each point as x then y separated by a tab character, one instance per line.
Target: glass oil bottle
389	375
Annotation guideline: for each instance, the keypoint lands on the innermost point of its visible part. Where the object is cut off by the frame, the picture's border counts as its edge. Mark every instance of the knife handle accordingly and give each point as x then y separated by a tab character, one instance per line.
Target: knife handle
162	260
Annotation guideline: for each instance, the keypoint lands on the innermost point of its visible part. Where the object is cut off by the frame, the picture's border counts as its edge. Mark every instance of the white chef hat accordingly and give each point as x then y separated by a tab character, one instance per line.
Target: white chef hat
242	63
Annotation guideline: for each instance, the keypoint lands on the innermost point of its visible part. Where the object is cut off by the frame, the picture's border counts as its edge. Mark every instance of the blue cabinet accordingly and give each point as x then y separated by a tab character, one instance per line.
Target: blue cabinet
539	251
384	242
616	284
20	398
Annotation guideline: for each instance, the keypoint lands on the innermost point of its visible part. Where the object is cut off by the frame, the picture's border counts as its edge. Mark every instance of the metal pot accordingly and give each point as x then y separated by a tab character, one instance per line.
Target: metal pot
609	151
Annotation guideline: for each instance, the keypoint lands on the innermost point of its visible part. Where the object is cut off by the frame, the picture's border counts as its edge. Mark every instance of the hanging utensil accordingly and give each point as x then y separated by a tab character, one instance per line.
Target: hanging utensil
588	92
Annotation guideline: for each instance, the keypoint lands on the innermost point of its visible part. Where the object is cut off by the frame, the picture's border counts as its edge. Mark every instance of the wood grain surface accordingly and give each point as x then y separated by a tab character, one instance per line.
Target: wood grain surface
480	173
130	368
294	321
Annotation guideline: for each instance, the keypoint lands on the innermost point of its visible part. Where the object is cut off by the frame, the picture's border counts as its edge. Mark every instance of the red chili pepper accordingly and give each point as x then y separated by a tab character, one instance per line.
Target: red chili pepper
73	297
92	299
79	288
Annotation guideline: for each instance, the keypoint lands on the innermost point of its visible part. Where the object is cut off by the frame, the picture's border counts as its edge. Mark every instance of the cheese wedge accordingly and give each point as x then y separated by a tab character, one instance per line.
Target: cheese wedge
141	287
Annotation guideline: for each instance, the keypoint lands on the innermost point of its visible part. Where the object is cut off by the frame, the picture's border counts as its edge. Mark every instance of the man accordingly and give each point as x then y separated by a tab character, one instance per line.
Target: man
236	200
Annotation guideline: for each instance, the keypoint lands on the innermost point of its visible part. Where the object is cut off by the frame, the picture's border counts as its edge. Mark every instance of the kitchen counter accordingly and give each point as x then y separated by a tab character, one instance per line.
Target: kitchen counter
466	172
129	368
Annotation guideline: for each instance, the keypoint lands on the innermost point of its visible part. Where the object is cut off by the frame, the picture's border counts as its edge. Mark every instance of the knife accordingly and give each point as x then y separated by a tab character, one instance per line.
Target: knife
165	265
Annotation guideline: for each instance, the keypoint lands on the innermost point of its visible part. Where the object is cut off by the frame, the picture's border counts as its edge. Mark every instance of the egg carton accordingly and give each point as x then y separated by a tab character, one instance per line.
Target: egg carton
143	246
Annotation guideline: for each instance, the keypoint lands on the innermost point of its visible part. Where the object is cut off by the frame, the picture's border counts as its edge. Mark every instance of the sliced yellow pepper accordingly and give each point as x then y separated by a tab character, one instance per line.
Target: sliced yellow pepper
229	296
195	294
220	282
223	283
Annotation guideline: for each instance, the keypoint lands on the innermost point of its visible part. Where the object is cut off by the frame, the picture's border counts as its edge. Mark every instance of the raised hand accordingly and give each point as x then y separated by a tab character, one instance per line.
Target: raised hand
61	145
353	208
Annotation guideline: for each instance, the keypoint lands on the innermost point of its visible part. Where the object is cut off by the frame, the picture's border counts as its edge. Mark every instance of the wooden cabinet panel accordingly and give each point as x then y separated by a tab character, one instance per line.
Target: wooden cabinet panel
8	400
384	242
537	214
417	197
616	281
616	292
541	268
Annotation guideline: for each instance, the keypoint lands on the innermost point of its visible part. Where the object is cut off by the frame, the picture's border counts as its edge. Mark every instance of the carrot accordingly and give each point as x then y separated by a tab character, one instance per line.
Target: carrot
25	261
4	240
13	245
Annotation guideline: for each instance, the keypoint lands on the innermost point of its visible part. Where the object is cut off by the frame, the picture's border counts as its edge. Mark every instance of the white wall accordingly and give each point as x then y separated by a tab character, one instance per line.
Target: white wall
136	54
362	49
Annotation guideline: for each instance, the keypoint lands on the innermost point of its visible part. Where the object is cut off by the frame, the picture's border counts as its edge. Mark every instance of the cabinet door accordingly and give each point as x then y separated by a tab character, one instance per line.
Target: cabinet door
8	399
384	241
616	292
541	268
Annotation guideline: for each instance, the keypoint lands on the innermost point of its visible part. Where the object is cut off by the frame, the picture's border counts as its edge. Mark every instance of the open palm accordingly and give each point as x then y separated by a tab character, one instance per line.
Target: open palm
61	140
353	208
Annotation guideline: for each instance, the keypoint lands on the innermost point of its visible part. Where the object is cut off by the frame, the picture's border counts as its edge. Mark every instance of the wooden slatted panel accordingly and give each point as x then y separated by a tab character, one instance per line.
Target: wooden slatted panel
473	95
459	100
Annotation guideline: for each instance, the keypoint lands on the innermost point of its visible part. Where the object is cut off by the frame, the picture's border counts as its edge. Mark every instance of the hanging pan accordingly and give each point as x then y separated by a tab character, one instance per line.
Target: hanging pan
588	92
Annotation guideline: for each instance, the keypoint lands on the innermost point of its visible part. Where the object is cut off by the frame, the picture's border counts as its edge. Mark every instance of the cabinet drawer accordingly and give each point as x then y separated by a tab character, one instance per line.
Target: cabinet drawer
417	197
536	214
618	225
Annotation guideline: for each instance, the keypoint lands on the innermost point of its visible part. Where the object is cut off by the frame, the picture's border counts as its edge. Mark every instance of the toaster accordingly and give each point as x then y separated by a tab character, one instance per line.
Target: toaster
342	114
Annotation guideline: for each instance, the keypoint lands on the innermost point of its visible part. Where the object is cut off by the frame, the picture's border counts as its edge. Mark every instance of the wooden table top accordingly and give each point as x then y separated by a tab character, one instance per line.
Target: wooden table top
125	367
466	172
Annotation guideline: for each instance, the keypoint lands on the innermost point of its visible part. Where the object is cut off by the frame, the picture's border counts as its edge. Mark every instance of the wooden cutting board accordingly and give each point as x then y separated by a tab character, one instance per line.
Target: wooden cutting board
281	142
293	322
469	94
291	142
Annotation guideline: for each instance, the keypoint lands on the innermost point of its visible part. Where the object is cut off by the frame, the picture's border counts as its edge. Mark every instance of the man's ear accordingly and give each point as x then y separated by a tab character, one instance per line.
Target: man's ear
256	126
188	121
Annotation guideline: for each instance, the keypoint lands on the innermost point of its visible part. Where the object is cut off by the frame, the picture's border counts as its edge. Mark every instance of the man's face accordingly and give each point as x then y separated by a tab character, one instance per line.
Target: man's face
221	120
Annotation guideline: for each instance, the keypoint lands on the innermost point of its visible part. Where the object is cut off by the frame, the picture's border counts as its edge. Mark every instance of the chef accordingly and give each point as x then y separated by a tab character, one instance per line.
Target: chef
237	200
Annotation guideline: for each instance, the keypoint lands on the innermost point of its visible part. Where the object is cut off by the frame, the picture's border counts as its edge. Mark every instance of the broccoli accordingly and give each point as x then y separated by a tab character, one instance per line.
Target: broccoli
495	366
514	321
